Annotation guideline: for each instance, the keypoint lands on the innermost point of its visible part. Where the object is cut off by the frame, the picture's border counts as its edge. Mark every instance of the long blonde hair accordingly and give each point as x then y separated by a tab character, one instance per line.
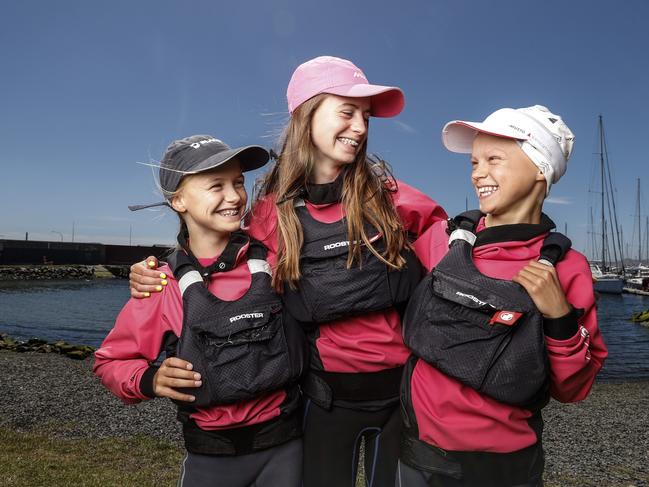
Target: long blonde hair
366	196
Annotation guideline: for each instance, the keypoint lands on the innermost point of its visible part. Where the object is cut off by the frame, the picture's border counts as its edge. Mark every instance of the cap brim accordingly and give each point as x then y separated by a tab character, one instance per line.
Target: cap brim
250	157
458	135
387	101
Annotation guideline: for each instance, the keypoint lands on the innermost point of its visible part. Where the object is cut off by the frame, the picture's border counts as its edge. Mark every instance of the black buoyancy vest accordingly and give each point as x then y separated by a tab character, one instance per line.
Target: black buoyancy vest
487	333
328	290
241	348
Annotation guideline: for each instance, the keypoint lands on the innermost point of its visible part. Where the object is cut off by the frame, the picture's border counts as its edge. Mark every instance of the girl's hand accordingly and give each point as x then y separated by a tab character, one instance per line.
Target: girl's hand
172	374
542	284
144	279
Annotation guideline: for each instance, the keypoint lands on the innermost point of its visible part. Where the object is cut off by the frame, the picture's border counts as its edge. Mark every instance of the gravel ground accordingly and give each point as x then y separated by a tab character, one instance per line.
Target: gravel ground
48	390
603	441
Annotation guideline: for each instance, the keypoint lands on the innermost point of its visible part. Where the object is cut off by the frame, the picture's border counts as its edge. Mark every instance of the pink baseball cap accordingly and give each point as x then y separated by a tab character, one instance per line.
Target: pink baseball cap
328	74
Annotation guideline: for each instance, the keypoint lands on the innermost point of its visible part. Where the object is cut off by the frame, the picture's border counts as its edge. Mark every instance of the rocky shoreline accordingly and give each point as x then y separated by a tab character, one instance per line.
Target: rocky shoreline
62	272
78	352
602	441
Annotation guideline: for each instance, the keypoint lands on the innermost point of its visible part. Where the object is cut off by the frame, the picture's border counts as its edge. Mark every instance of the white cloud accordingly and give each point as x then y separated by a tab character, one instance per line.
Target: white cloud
404	127
559	200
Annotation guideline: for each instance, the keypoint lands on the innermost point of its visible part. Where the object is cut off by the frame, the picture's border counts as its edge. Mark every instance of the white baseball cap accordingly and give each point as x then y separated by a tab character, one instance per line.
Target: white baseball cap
543	136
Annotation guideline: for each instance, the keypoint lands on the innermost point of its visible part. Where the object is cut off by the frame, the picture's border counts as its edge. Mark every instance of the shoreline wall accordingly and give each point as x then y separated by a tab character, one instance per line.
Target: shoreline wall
33	252
62	272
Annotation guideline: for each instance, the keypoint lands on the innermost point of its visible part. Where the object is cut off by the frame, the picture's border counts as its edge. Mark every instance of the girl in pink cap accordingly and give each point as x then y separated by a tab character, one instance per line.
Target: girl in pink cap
338	227
339	224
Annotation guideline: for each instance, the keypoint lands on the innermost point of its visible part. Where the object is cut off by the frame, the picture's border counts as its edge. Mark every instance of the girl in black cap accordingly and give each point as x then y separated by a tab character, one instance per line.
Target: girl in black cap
233	358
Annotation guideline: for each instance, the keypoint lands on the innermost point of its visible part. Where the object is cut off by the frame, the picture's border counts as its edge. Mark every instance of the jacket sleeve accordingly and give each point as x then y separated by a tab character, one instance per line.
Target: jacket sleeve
261	225
575	360
432	245
418	212
132	345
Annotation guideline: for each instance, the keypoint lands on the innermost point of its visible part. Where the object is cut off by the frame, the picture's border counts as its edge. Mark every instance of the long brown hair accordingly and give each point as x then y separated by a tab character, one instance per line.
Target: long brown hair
366	196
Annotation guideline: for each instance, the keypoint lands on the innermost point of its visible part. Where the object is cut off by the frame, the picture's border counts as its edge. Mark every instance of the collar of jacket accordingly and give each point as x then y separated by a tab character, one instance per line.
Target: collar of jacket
228	258
323	194
514	232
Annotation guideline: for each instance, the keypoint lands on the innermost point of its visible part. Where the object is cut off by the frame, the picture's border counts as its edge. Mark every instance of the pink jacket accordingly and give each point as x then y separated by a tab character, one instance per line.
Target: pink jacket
136	339
453	416
371	342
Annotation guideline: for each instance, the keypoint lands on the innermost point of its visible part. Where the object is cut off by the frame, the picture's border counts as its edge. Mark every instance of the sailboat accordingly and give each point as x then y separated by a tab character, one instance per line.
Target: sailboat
638	276
606	281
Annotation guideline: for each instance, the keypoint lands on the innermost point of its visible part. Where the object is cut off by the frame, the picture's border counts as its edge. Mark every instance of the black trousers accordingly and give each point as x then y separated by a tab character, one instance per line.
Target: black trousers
280	465
523	468
332	440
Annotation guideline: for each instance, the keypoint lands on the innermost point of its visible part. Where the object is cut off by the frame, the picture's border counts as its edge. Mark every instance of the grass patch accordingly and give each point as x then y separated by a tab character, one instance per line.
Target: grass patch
36	459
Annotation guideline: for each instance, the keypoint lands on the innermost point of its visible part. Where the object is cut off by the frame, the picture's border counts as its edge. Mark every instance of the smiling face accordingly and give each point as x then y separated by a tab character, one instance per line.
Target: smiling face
509	186
339	129
212	203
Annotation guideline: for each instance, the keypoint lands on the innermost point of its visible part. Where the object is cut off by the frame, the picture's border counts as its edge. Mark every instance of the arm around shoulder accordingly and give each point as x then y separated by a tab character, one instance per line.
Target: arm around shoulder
418	212
432	245
261	224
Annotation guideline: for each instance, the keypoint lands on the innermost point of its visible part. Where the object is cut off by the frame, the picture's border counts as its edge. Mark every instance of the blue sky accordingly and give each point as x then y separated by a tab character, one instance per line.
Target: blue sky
87	89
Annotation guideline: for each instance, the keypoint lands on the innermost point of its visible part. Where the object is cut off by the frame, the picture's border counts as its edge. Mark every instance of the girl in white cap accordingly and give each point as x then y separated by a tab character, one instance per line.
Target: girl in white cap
457	434
324	209
233	358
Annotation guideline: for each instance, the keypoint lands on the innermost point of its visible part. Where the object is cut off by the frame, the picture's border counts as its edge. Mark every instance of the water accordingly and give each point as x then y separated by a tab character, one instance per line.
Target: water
79	312
627	342
83	312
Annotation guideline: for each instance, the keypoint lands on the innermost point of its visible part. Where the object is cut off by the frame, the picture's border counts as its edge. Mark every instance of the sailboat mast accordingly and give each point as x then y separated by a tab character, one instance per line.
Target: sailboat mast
601	167
611	194
593	240
646	238
639	225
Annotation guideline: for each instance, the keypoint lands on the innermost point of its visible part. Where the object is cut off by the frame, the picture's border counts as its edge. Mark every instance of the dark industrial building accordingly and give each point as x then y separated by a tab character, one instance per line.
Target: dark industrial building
23	252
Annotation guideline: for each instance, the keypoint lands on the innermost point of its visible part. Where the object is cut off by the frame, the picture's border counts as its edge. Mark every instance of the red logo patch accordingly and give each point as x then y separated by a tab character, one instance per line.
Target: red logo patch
507	318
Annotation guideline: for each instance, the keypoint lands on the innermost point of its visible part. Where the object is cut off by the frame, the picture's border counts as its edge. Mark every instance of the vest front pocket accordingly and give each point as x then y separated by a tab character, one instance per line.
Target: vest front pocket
245	355
339	291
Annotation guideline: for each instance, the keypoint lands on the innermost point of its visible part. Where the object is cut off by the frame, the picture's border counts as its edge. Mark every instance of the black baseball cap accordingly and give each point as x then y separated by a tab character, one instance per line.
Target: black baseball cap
199	153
